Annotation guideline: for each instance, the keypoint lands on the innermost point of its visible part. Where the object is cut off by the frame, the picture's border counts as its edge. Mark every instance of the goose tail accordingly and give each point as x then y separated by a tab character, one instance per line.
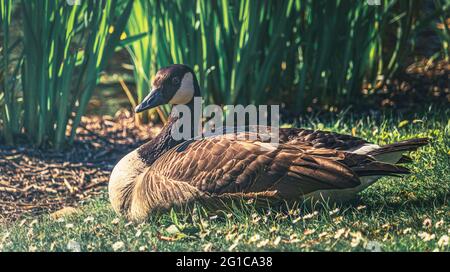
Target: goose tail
393	153
403	146
376	168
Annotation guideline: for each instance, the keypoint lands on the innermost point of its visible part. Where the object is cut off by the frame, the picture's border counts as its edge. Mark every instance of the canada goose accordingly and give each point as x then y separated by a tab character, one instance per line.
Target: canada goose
165	172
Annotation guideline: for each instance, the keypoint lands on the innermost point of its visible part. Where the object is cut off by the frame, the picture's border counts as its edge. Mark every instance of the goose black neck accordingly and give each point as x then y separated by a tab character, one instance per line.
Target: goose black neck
164	141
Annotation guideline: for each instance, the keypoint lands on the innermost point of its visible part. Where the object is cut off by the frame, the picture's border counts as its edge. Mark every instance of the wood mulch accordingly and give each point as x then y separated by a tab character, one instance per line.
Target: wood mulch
424	82
34	181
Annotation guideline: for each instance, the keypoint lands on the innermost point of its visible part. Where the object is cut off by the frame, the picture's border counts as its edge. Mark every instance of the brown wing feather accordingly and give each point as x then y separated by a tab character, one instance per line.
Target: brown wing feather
308	137
221	165
320	139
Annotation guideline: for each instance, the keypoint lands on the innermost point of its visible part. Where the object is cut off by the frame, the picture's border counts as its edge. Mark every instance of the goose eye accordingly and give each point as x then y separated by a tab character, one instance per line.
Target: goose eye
175	81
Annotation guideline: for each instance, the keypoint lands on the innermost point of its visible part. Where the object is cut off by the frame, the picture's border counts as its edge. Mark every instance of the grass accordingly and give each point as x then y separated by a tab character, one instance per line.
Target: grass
396	214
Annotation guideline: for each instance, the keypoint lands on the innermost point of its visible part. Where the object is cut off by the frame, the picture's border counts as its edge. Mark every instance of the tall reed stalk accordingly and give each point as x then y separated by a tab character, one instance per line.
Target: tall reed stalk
344	44
143	51
9	108
443	8
65	47
290	51
234	46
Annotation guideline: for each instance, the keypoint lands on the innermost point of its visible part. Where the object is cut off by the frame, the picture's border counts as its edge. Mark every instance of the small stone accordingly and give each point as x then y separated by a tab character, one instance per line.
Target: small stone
118	246
143	248
373	246
88	219
73	246
138	234
443	241
172	229
277	241
208	247
32	248
64	212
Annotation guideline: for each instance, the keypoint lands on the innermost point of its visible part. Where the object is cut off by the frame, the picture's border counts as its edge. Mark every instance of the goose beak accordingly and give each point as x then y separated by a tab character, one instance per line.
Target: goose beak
154	99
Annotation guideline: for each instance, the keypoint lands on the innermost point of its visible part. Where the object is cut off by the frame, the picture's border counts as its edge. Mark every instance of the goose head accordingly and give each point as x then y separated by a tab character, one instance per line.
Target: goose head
175	85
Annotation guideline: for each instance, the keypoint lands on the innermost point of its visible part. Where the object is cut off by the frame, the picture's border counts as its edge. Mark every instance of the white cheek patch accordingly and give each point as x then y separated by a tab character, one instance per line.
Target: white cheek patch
186	91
